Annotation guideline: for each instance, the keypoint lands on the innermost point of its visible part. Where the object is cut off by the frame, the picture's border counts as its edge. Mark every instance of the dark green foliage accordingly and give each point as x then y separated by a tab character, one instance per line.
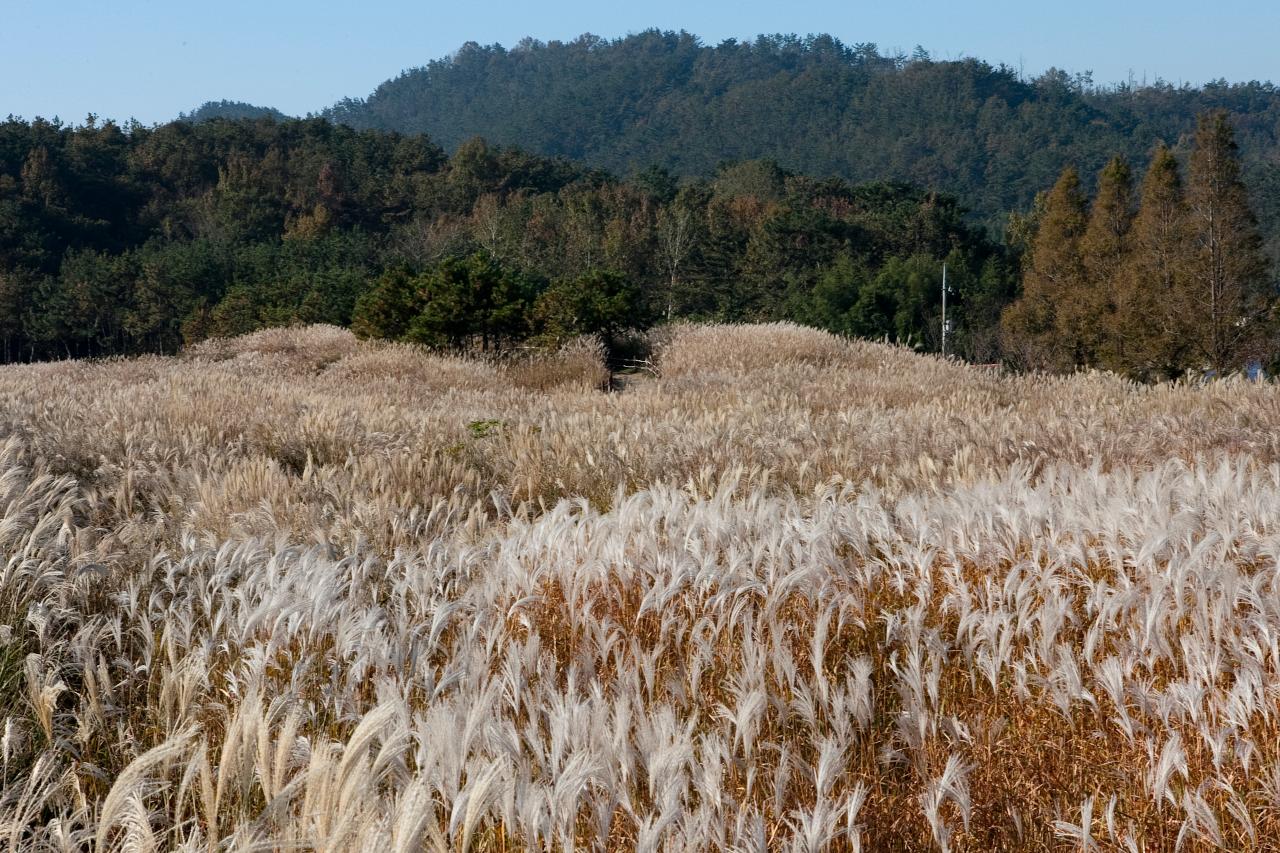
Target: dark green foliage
914	282
386	309
658	182
210	110
125	240
118	240
598	302
843	300
978	301
742	204
901	301
471	298
813	105
460	300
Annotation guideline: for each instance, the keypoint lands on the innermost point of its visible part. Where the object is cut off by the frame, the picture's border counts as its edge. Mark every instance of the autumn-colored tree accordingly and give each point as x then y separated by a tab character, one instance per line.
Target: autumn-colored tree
1151	322
1102	251
1231	296
1041	328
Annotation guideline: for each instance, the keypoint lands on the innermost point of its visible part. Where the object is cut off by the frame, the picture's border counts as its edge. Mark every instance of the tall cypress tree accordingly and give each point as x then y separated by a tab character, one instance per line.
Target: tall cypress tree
1153	316
1102	250
1229	278
1041	328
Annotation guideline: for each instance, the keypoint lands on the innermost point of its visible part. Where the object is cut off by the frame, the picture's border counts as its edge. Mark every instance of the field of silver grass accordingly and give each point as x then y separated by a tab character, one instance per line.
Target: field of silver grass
293	591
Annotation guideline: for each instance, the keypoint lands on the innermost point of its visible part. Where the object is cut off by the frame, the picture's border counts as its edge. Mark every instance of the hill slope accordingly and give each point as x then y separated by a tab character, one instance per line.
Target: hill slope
296	591
813	104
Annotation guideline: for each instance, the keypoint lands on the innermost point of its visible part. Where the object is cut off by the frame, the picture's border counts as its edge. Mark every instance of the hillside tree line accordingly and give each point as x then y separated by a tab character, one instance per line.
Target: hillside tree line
119	240
988	134
1152	282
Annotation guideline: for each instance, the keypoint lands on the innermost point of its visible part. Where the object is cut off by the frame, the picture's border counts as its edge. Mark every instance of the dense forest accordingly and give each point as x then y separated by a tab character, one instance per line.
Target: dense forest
652	178
136	239
818	107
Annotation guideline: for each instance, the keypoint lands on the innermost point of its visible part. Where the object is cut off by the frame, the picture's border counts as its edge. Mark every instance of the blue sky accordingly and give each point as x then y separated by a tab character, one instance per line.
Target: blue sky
153	59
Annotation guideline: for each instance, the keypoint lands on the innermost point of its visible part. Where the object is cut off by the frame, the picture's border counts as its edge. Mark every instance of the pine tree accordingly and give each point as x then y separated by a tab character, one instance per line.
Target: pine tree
387	309
1040	328
1232	298
1151	322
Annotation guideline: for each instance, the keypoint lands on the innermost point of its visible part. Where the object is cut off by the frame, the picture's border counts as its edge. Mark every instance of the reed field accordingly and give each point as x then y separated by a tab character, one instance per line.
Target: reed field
294	591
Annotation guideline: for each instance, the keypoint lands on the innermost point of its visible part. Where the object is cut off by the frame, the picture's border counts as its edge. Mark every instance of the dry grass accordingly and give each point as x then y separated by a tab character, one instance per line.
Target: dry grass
295	591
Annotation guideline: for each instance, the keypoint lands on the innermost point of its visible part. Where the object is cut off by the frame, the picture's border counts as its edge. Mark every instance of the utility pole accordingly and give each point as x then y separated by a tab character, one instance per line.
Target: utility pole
944	309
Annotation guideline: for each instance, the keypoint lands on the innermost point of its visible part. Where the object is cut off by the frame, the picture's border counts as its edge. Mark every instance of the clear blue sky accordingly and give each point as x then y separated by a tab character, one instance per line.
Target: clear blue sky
151	59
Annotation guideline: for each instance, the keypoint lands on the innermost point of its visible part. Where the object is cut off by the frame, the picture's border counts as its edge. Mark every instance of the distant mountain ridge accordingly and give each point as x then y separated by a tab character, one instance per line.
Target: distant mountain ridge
210	110
814	105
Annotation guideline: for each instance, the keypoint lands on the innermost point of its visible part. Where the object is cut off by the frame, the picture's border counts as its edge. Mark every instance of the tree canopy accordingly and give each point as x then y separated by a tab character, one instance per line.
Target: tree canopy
818	106
1181	286
135	239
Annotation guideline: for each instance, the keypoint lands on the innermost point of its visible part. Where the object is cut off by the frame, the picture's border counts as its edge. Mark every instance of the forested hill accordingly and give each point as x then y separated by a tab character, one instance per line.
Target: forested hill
210	110
125	240
814	105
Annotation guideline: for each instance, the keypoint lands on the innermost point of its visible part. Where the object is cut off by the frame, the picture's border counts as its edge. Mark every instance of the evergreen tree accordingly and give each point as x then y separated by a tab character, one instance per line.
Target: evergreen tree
813	105
40	180
915	282
13	294
468	298
1041	327
834	294
981	298
1232	298
598	302
387	309
236	314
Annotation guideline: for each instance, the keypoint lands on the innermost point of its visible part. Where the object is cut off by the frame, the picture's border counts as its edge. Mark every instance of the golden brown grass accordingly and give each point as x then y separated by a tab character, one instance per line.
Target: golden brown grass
297	591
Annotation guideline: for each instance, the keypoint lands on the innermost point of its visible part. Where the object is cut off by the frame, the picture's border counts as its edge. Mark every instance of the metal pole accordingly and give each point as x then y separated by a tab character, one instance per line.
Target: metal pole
944	309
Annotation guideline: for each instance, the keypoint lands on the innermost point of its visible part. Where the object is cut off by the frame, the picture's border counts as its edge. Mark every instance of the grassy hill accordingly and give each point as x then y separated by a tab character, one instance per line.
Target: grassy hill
293	590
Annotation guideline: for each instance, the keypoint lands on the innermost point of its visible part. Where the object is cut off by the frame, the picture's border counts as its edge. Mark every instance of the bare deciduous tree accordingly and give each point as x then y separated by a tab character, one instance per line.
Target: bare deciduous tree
676	238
